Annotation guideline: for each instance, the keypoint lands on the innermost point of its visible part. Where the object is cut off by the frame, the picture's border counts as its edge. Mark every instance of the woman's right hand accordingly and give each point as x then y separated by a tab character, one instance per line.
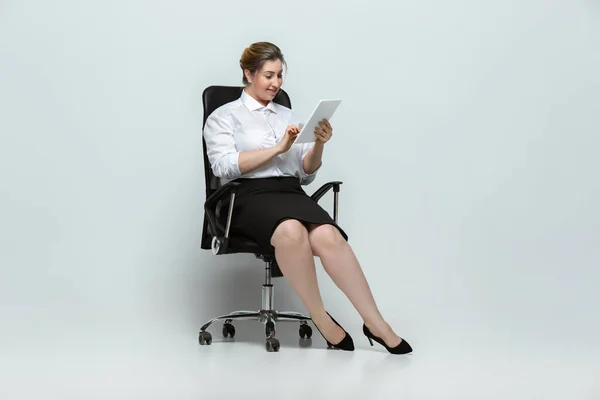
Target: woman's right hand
288	139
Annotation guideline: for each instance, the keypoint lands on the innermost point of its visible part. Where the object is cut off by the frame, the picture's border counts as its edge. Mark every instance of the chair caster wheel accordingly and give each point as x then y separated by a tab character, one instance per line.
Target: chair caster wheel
205	338
305	331
270	329
272	345
228	330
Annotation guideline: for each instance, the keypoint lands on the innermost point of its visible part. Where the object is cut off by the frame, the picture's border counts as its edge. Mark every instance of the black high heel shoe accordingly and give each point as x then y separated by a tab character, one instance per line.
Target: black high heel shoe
402	348
346	344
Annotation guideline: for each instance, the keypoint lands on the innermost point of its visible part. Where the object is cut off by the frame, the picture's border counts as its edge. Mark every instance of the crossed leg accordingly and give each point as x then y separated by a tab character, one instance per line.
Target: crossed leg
296	261
295	248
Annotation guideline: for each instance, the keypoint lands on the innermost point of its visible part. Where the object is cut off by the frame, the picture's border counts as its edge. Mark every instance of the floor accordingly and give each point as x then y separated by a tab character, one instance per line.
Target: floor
163	365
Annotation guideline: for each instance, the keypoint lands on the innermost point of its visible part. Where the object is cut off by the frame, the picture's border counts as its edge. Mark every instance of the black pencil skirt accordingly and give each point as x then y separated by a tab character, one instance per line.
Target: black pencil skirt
262	204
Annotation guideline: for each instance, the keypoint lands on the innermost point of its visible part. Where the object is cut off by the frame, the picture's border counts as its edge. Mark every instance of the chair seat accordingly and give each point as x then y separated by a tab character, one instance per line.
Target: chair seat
244	245
239	244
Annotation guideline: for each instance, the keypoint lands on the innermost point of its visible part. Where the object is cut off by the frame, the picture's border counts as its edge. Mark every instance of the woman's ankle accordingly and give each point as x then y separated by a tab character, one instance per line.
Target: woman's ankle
319	316
378	328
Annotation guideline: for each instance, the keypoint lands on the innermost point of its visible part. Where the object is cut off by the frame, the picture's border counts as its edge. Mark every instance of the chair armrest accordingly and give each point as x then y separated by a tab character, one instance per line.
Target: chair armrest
320	192
324	189
210	205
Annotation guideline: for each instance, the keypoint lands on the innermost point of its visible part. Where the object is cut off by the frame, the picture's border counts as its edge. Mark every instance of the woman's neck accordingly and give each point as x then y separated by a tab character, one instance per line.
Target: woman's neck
250	93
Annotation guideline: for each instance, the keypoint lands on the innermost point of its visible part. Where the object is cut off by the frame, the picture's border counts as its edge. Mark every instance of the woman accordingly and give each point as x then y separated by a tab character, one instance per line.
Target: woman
251	141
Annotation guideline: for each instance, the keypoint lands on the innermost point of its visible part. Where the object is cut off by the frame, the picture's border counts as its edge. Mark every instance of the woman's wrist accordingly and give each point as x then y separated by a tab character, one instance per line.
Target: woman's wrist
277	149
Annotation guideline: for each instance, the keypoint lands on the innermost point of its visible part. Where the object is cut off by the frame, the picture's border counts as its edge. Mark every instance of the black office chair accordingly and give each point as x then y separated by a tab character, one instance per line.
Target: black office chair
216	237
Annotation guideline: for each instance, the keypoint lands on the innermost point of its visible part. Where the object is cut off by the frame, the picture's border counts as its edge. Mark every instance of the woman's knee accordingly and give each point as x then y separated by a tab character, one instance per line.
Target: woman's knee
289	232
325	237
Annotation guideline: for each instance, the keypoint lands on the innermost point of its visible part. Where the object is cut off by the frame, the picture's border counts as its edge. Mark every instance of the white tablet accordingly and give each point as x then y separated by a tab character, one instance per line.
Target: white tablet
325	109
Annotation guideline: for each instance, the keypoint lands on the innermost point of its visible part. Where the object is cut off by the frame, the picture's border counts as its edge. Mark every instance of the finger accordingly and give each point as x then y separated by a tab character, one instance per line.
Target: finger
328	124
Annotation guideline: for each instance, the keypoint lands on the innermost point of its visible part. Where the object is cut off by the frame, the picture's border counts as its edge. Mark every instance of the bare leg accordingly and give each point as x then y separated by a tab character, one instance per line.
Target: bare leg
296	261
341	265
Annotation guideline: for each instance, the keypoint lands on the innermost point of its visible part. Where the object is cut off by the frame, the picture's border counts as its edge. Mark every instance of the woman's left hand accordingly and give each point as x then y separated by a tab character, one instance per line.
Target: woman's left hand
323	132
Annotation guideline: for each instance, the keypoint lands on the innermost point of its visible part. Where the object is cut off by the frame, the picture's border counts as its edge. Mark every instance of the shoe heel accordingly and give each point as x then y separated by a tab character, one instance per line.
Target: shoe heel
402	348
367	333
346	344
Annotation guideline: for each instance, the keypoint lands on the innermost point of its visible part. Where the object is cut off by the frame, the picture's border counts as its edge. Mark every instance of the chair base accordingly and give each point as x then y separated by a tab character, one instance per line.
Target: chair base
269	318
264	316
267	315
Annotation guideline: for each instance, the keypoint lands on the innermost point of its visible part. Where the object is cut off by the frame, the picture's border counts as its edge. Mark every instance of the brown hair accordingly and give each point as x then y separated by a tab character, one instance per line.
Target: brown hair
255	56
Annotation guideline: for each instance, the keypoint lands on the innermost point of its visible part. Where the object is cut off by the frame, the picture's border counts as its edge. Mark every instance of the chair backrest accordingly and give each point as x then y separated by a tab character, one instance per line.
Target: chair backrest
214	97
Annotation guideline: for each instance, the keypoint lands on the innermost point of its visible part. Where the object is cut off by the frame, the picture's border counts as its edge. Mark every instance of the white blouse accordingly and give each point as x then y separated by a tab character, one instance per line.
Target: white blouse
244	125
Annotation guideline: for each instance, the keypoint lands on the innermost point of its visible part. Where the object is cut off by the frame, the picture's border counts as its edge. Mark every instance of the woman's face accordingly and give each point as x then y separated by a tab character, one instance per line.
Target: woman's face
265	84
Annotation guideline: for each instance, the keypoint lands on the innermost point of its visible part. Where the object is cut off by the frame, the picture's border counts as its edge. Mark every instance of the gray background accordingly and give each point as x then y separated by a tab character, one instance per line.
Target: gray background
467	142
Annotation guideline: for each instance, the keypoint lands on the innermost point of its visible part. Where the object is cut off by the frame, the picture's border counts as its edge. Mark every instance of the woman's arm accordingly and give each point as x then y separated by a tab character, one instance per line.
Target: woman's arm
313	158
249	161
226	161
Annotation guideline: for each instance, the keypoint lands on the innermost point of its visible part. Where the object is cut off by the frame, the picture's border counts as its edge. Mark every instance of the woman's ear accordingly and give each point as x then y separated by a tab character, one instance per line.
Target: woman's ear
248	75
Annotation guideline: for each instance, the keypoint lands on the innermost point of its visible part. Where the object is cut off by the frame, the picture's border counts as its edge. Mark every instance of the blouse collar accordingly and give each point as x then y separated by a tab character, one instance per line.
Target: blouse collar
253	105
